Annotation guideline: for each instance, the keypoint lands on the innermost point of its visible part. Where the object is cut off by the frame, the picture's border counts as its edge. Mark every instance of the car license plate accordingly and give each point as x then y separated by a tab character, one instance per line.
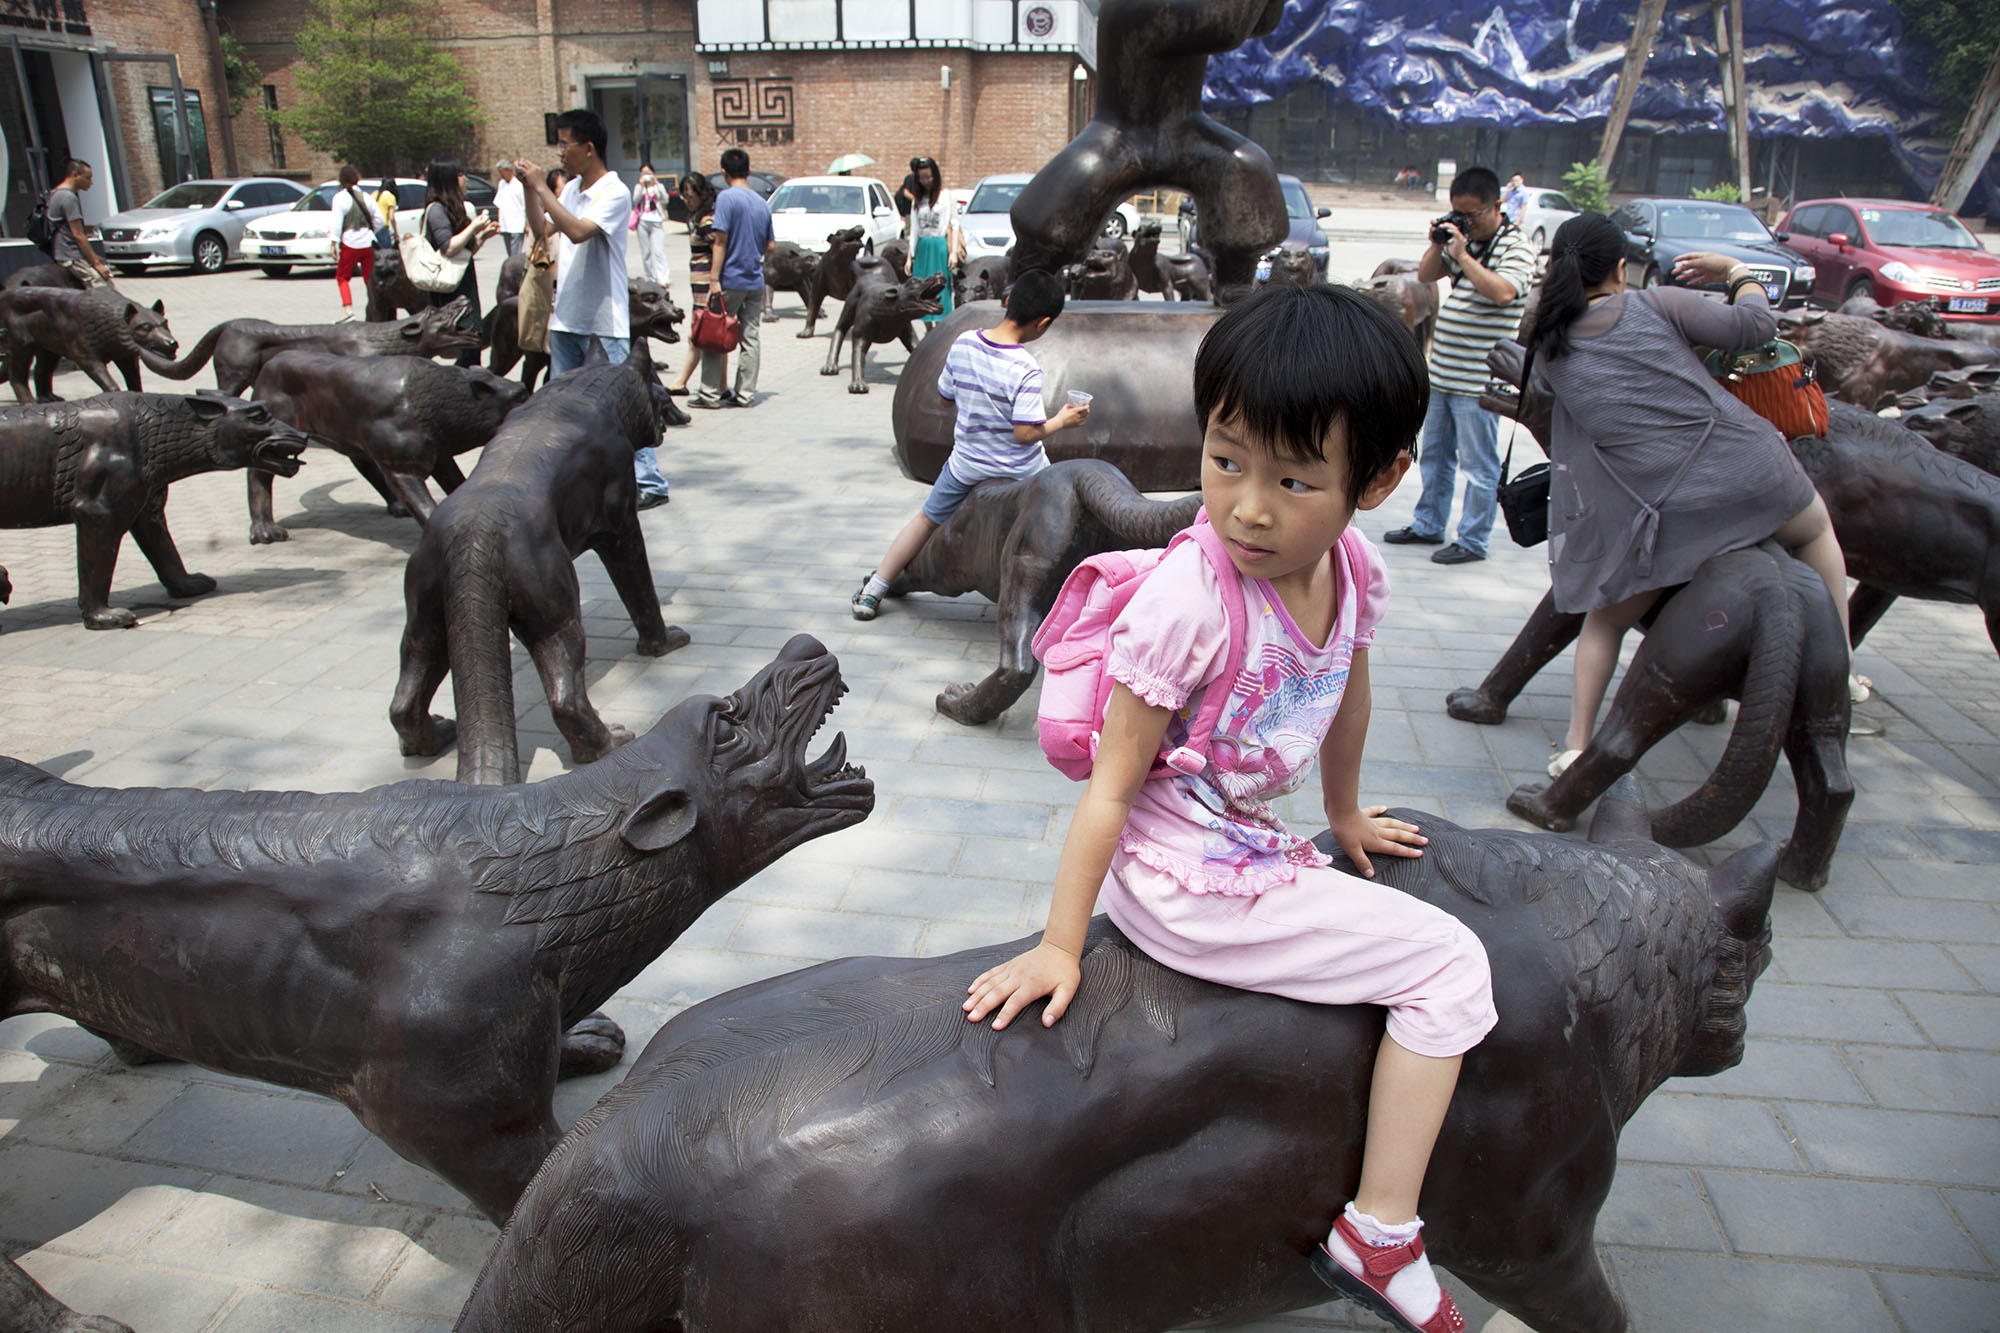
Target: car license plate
1775	290
1966	305
278	250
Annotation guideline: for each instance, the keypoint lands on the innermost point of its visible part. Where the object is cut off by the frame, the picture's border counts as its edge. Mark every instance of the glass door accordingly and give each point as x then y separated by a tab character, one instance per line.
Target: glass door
166	135
645	121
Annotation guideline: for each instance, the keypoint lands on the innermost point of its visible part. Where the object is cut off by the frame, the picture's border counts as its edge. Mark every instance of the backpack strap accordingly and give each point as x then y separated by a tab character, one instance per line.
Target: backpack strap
1192	757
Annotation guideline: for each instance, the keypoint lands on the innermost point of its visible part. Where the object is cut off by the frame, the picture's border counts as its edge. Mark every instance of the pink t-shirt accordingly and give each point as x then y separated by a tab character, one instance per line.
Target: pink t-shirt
1217	833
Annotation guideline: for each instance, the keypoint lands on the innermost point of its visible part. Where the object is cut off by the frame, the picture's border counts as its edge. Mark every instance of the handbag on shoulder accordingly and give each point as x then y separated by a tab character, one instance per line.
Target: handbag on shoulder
432	270
714	329
537	299
1777	383
1524	501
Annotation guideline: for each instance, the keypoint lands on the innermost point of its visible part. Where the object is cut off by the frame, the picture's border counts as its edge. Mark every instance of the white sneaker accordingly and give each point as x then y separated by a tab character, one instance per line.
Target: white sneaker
1560	764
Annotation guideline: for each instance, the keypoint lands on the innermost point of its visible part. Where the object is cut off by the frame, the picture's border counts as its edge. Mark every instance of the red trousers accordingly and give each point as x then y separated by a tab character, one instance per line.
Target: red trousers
351	258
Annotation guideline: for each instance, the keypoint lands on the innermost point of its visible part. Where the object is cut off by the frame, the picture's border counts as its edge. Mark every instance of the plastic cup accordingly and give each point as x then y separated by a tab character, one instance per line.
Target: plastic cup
1079	398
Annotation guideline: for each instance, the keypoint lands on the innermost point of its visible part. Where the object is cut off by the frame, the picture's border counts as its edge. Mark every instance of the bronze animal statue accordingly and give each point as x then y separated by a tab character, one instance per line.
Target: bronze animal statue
1918	317
398	419
787	268
1136	358
1190	277
1409	299
498	554
43	275
1752	624
880	309
415	951
105	464
981	279
95	329
1014	542
240	347
650	310
1147	270
1293	266
831	1140
896	254
1149	129
1868	364
1970	382
6	587
1104	274
1965	428
391	294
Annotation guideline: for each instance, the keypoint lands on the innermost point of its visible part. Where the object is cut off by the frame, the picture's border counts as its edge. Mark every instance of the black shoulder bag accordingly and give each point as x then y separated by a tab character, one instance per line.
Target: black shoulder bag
1524	501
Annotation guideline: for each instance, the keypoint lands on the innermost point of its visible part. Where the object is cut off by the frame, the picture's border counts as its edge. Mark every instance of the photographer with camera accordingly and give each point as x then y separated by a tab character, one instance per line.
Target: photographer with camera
1491	266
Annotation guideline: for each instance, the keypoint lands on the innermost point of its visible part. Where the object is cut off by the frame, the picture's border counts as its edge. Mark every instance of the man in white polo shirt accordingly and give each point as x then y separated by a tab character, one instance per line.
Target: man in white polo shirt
592	303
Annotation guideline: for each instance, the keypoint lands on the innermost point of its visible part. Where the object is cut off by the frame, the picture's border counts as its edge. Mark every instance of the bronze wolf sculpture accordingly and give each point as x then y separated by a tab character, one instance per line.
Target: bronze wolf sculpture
415	951
840	1141
879	309
105	464
499	553
95	329
240	347
1015	542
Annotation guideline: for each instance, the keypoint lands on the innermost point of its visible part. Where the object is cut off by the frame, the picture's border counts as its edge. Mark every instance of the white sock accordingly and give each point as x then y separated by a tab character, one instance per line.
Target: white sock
1414	1290
877	586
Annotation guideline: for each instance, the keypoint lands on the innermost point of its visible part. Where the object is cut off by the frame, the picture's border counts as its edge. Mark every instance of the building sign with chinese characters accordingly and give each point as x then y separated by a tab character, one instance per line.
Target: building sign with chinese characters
753	112
62	16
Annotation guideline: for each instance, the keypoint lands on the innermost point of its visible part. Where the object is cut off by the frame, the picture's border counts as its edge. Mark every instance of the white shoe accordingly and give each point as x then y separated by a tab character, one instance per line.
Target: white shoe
1859	689
1560	764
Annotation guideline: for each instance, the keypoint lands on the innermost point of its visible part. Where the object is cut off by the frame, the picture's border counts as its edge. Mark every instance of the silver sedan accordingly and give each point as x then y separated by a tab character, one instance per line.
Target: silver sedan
198	223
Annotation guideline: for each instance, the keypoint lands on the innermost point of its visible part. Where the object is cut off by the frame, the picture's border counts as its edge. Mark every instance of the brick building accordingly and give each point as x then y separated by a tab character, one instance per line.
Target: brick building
983	85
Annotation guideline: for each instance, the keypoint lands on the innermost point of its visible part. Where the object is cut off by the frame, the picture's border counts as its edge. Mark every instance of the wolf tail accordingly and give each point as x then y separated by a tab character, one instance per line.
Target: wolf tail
187	367
482	673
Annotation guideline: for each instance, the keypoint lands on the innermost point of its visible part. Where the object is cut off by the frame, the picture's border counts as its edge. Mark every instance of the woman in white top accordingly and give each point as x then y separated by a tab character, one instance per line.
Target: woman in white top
360	219
649	216
935	242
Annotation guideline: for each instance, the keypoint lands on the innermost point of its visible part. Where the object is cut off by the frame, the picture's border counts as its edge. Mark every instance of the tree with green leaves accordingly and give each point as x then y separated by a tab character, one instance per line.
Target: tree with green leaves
375	89
1958	37
240	73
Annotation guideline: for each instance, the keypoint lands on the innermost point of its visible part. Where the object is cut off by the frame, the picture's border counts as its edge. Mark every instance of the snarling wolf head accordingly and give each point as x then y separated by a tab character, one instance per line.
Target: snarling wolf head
444	330
247	435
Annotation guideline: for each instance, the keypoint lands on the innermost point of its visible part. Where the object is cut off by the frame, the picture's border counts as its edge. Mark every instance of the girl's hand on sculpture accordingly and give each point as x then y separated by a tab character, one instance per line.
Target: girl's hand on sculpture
1044	970
1697	267
1360	832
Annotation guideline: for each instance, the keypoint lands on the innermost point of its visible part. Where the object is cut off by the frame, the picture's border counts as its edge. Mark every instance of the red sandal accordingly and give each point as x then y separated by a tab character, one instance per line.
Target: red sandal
1368	1285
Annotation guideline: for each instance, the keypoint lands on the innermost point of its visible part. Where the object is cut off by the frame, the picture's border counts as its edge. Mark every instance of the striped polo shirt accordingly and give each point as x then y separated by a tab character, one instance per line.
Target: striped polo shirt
1468	324
995	386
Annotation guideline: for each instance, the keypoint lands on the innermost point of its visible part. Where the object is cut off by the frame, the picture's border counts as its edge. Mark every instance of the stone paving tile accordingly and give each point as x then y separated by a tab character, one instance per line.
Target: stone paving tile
1868	1076
1864	1222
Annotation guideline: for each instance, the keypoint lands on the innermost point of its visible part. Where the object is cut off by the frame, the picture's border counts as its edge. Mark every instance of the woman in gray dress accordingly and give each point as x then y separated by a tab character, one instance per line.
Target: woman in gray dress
1654	467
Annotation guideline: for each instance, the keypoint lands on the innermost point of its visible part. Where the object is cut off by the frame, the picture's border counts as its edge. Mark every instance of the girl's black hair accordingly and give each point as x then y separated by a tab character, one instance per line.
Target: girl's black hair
1584	252
704	188
918	189
441	187
1290	363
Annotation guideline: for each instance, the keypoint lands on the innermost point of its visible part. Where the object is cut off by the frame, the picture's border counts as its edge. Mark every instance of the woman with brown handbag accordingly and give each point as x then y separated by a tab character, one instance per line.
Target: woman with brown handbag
1654	467
698	196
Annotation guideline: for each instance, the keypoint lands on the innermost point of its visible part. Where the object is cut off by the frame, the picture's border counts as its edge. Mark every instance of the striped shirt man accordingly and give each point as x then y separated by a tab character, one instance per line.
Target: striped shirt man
995	387
1469	324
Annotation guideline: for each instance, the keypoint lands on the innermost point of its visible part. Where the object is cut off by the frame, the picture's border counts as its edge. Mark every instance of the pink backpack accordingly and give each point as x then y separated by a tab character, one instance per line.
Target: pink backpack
1073	641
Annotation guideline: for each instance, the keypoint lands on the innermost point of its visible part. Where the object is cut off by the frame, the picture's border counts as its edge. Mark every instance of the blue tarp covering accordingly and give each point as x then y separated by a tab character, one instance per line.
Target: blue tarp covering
1826	69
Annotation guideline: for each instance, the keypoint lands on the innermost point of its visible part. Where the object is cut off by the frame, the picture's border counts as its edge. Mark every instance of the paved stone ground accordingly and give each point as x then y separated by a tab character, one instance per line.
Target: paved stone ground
1845	1177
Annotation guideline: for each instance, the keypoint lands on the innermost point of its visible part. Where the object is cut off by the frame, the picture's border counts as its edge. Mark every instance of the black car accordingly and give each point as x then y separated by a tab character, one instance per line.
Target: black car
1658	231
763	182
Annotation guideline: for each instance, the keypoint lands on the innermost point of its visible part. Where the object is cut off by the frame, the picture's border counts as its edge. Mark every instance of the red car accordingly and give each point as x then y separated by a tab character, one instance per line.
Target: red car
1894	250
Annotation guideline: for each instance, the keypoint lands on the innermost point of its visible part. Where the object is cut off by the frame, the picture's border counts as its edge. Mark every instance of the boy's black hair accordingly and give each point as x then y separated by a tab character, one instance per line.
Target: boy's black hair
1036	294
735	163
74	165
584	126
1290	363
1478	182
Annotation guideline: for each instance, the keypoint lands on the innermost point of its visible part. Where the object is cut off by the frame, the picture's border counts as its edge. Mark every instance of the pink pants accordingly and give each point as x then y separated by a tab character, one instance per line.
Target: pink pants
1326	938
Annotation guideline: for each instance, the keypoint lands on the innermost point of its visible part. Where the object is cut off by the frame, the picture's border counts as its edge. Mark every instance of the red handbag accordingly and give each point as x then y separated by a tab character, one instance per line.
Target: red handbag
714	330
1776	383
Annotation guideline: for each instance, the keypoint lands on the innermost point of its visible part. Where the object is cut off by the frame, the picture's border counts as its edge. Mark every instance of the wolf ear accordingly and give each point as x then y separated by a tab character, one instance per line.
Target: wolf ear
160	309
1621	814
1742	886
658	822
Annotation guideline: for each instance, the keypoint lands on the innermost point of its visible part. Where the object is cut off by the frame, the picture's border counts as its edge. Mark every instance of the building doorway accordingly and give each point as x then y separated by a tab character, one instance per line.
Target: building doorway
645	120
166	141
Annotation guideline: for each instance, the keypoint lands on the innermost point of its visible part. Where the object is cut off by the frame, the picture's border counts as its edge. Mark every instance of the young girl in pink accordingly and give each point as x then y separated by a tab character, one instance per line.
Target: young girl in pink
1309	399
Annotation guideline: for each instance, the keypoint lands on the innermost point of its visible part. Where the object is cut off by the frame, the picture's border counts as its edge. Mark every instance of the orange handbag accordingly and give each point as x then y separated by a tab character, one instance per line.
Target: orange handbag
1776	383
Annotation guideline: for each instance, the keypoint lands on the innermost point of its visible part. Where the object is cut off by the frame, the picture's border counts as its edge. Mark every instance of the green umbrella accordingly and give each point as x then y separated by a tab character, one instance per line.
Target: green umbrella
848	162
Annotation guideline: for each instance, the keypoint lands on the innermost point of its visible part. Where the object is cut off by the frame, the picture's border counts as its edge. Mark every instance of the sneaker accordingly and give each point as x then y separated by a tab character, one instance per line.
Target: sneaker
346	315
1560	764
1410	537
864	604
707	404
1455	554
1362	1272
1859	689
652	499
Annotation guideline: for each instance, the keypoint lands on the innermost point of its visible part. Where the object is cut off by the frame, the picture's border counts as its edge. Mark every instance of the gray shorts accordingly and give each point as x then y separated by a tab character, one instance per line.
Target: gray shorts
84	273
947	494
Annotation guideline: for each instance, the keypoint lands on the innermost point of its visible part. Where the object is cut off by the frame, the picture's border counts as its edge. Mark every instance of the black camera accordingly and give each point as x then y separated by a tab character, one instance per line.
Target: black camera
1458	218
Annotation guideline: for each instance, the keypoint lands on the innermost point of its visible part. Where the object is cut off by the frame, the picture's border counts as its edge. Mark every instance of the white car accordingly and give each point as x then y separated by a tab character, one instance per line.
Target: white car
805	210
306	234
1544	212
989	228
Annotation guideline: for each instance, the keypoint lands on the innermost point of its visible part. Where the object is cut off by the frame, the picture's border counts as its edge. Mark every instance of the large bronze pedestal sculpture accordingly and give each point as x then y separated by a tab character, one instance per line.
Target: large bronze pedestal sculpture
105	464
1135	357
416	951
1149	129
498	556
1015	542
95	330
879	308
240	347
839	1149
398	419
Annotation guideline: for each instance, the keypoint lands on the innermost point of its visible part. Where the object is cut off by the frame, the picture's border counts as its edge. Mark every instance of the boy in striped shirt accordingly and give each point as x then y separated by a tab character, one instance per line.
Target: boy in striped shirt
1491	266
995	387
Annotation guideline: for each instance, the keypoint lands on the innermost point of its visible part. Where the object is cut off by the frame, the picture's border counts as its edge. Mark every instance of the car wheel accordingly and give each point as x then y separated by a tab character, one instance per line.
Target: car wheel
1652	278
209	253
1541	239
1114	227
1861	287
277	270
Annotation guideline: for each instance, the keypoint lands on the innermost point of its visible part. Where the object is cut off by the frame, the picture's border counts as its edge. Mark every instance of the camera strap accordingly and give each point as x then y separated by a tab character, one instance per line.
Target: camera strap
1482	249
